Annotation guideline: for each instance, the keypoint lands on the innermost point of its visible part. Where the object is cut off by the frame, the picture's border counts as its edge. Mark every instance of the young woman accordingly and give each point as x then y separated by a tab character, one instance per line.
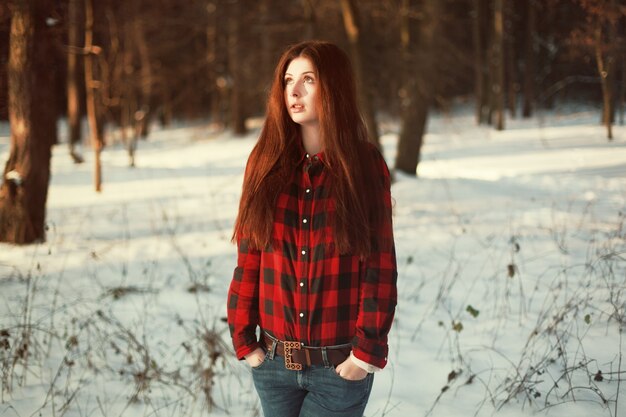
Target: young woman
316	268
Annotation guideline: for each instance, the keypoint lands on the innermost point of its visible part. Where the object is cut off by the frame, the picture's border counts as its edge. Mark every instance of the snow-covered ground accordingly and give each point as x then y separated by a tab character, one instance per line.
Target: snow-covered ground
512	278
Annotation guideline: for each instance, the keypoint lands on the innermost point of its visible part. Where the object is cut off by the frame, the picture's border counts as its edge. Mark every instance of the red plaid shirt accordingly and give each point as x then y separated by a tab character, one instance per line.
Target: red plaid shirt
305	291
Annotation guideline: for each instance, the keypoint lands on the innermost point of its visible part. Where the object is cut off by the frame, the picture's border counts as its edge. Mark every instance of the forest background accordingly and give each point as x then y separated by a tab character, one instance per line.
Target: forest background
125	64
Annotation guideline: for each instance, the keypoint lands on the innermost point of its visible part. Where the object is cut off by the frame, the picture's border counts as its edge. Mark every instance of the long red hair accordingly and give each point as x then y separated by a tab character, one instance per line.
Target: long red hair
356	185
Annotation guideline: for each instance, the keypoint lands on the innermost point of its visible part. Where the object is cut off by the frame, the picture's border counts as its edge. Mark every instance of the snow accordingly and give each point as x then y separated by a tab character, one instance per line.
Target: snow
124	303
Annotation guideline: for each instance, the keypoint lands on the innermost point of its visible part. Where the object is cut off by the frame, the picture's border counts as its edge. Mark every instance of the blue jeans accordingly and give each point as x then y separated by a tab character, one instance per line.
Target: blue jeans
315	391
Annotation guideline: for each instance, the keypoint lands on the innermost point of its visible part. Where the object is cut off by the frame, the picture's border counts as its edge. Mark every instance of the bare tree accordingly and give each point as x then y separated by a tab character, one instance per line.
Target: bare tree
530	53
310	22
604	45
73	81
480	39
94	93
235	64
497	62
143	112
600	35
420	78
351	21
211	56
622	83
24	190
510	66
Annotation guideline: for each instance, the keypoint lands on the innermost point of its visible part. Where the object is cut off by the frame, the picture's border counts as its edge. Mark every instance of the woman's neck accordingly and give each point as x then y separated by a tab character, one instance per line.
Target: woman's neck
311	138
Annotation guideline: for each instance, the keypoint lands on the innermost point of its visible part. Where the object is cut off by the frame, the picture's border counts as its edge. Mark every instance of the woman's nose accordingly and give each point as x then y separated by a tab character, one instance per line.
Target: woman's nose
298	89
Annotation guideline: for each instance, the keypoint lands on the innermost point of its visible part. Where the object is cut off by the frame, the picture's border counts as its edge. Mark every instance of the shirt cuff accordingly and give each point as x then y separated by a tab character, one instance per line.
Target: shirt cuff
243	350
363	365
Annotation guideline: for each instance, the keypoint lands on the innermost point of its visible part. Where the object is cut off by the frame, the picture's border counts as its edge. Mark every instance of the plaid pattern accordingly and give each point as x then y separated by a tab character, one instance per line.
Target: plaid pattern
301	289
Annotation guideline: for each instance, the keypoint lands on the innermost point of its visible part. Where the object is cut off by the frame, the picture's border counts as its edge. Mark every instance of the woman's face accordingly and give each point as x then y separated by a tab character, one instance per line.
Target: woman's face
301	84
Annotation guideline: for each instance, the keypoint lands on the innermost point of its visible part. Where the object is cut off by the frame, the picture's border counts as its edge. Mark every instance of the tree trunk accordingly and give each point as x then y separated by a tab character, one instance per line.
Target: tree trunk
166	107
24	189
411	136
235	46
605	71
4	87
93	96
266	41
73	83
498	64
211	57
622	86
220	101
529	59
310	22
480	68
119	65
420	80
509	56
546	57
352	25
124	47
614	45
47	41
143	114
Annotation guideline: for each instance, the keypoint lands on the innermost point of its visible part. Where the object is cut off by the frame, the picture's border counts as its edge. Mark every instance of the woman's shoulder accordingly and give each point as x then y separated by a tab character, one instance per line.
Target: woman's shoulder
374	164
373	153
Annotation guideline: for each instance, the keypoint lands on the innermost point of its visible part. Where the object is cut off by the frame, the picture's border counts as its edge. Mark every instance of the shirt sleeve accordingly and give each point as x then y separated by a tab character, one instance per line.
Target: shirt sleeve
378	295
363	365
243	300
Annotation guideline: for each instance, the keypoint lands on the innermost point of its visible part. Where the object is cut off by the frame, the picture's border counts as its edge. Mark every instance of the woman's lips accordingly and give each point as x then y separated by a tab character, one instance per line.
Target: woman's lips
297	108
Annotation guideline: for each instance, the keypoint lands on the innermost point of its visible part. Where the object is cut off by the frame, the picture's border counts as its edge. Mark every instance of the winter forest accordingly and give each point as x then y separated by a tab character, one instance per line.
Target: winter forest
125	127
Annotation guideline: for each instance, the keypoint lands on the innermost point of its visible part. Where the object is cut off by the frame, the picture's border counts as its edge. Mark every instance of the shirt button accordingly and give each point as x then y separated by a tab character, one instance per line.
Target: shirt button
304	252
308	190
302	284
301	314
315	158
304	221
307	155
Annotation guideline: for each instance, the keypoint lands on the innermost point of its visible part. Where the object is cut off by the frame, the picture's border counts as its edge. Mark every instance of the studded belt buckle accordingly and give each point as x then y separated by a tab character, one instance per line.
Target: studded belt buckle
289	346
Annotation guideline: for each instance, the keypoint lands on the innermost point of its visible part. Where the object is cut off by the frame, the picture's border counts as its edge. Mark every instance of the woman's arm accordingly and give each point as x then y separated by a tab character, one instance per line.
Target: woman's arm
378	296
243	300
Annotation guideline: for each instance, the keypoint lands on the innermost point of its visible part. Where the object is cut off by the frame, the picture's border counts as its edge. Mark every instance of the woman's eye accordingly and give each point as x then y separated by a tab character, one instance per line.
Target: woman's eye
288	81
308	80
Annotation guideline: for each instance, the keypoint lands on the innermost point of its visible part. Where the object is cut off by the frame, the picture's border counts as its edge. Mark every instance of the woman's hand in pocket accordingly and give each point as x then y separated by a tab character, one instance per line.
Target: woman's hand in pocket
350	370
255	358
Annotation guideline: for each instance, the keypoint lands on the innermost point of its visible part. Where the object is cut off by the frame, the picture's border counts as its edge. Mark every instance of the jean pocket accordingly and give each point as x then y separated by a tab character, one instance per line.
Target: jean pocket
259	366
349	381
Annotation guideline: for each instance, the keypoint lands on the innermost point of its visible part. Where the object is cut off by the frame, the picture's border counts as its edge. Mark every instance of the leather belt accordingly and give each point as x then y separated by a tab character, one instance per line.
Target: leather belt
297	355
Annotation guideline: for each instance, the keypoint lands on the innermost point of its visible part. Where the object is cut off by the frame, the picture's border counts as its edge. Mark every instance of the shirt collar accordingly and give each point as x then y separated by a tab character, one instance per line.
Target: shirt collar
304	156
